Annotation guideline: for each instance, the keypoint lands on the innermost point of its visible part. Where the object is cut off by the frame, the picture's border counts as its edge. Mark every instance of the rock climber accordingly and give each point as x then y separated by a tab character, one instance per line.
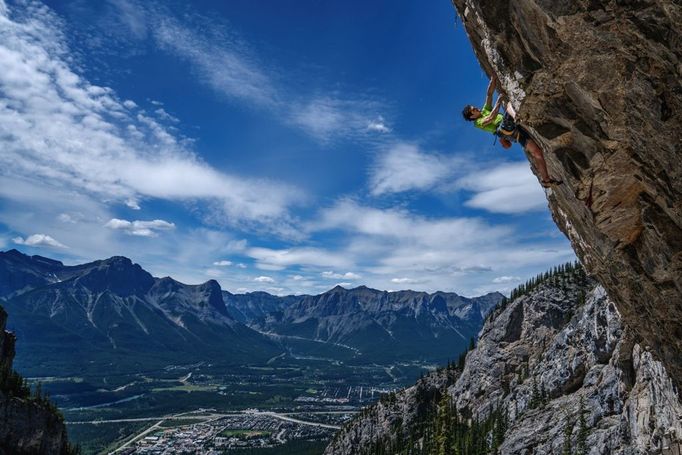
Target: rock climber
504	126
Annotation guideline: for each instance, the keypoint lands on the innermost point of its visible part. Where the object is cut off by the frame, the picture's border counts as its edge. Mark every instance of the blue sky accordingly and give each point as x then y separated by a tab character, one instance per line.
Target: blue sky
285	146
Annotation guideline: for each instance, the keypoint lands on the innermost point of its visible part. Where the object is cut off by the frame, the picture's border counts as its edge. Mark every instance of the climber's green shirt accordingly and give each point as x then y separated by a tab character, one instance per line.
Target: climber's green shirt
492	126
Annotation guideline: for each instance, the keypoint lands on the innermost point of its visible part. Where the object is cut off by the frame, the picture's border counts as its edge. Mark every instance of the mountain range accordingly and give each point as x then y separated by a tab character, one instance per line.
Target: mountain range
391	326
114	314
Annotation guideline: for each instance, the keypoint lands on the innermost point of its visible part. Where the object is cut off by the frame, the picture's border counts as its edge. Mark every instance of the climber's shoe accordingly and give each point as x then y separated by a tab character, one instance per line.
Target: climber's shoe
550	183
506	143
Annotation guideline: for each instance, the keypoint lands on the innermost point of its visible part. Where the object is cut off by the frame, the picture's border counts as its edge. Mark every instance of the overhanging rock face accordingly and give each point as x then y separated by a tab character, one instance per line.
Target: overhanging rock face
598	85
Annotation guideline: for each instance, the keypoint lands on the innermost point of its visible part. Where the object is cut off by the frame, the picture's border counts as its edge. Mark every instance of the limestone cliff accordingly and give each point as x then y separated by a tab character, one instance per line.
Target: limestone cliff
28	424
548	357
598	85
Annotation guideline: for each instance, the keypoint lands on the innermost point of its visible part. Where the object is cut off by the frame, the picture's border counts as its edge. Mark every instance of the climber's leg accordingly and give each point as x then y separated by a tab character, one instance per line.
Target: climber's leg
537	157
510	110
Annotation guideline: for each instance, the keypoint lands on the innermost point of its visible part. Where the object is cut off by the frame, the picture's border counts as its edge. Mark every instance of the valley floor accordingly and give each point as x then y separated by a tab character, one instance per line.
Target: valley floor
287	406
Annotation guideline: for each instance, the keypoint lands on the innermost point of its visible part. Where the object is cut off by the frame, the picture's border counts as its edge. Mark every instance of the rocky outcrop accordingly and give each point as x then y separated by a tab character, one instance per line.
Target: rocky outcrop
27	425
546	358
570	357
380	425
598	85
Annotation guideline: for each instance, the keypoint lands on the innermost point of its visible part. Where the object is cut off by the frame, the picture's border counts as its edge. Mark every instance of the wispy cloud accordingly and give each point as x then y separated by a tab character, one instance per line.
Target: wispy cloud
57	127
506	279
328	117
222	263
405	280
404	167
300	256
39	240
232	68
378	125
394	246
221	60
133	17
506	188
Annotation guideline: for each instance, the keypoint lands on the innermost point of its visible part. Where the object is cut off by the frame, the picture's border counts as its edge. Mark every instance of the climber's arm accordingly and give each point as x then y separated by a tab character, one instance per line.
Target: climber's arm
491	90
496	109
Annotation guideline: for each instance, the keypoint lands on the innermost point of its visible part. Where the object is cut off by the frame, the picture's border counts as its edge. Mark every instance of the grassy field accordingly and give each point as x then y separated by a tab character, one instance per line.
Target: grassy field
103	438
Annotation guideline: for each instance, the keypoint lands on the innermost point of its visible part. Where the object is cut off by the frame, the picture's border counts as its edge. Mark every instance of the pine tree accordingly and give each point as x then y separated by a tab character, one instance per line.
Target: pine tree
583	430
535	396
444	426
568	431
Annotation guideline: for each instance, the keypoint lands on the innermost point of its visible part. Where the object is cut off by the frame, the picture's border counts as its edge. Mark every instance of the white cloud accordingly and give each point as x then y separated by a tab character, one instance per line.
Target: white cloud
39	240
344	284
56	127
298	277
393	246
264	279
406	281
222	263
140	228
506	279
340	276
407	227
506	188
133	204
241	265
306	256
404	167
378	125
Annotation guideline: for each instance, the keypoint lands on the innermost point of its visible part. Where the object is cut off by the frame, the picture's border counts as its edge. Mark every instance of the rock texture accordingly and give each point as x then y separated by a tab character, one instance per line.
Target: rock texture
546	357
598	85
26	426
381	422
629	400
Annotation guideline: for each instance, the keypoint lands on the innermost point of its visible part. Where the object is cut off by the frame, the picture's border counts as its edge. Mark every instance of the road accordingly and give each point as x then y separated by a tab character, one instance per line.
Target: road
213	416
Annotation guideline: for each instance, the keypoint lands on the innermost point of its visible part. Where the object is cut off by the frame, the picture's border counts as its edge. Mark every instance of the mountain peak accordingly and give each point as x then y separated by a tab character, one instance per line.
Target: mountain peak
18	255
14	253
118	260
117	274
337	288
